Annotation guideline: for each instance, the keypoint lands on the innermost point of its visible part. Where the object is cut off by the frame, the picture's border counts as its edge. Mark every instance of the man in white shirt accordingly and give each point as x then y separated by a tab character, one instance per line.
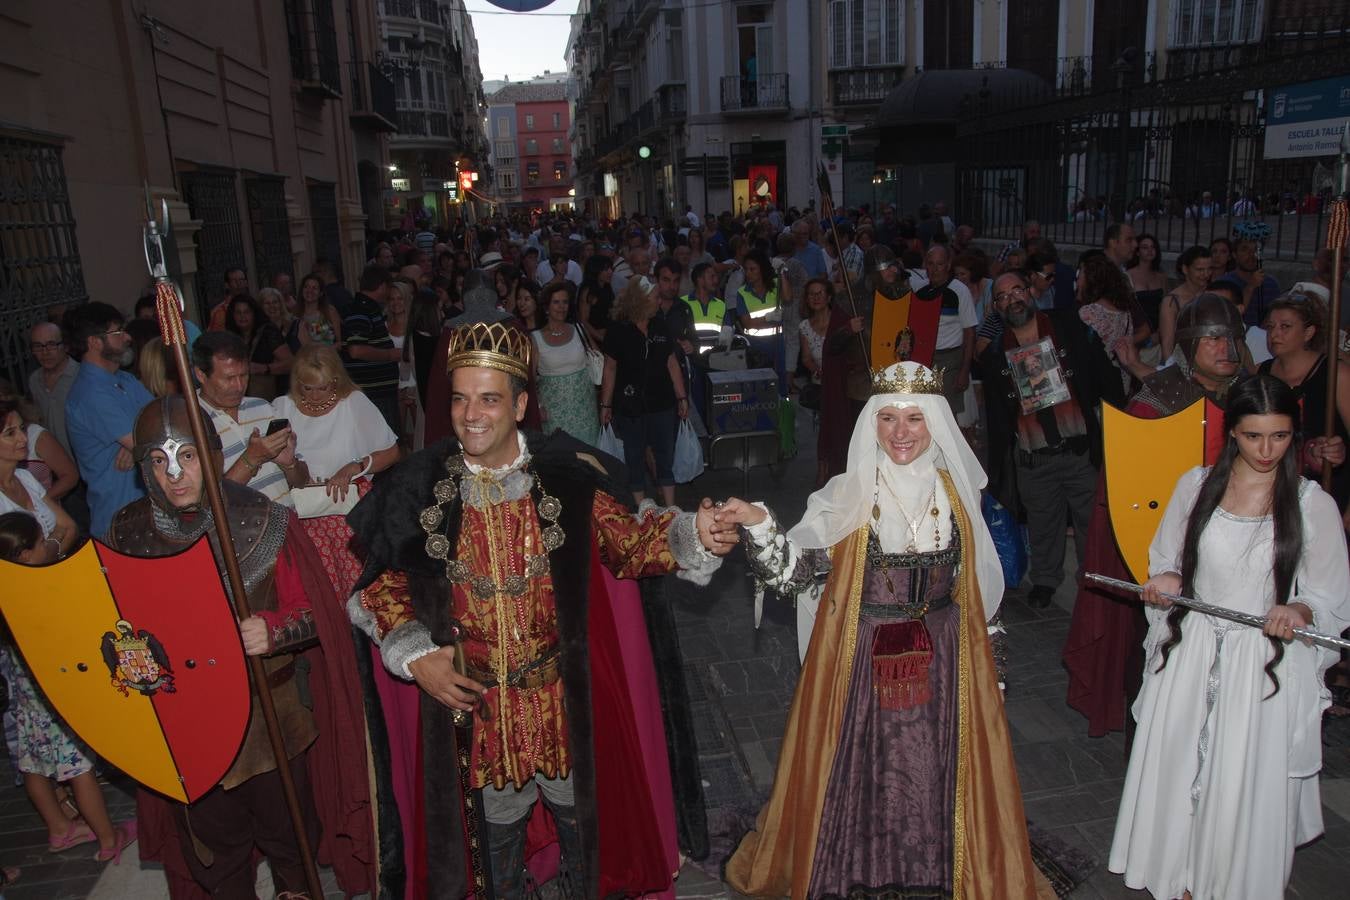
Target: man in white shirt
637	263
956	327
265	462
692	217
557	256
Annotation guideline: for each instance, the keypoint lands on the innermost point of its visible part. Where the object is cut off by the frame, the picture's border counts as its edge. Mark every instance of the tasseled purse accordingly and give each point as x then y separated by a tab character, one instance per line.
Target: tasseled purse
901	655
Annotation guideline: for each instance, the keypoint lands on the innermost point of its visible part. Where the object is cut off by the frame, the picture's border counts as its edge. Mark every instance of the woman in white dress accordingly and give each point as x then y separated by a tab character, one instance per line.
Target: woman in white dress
1222	782
342	438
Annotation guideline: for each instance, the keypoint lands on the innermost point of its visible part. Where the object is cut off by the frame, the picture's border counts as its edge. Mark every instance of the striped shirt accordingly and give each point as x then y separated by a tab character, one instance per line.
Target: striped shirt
253	412
364	325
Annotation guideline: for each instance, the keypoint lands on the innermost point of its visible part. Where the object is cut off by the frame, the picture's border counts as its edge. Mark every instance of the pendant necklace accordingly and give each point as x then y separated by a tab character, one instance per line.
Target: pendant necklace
911	524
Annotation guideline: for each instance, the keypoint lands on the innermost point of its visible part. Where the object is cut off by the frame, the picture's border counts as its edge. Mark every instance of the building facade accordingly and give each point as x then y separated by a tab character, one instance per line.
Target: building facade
253	121
530	126
720	105
431	55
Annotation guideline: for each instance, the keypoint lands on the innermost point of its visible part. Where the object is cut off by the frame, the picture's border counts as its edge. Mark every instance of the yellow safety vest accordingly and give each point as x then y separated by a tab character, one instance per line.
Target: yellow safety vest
760	309
708	324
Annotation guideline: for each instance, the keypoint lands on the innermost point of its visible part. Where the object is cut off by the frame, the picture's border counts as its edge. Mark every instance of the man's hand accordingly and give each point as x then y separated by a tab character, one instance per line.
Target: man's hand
719	545
286	457
1326	449
1127	354
253	630
606	415
856	323
123	462
263	449
962	380
435	673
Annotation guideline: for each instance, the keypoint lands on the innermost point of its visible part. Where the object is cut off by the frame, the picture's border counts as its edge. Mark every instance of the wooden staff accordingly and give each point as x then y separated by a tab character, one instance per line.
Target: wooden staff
1337	227
168	305
827	205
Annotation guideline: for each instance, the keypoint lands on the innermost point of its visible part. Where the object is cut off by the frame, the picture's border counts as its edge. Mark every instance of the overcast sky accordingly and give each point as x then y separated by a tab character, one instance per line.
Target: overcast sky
521	45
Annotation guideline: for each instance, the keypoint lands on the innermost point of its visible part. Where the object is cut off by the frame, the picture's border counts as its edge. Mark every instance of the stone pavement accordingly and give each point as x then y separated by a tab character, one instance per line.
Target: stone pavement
741	682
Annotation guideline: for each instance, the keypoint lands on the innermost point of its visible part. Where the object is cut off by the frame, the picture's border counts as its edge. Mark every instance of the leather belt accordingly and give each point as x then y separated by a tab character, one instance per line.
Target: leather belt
537	674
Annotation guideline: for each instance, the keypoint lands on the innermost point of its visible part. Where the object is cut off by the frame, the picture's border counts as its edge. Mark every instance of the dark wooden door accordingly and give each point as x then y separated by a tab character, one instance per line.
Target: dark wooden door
1033	36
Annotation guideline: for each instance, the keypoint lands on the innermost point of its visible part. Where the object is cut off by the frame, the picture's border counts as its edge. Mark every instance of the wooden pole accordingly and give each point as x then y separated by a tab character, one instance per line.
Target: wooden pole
827	204
169	308
1337	227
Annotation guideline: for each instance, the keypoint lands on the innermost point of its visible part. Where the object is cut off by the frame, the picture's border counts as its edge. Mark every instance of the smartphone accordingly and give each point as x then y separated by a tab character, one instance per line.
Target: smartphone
277	425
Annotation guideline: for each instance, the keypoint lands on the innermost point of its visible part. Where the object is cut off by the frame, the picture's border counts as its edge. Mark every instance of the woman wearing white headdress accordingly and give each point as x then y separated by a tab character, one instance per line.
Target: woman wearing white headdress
896	774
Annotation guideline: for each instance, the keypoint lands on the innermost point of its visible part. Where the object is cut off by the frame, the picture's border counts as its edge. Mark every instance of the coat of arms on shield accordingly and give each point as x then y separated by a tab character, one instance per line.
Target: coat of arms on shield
136	660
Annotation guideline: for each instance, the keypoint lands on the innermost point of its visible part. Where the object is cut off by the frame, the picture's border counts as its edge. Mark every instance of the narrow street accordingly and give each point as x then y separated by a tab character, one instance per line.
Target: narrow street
741	682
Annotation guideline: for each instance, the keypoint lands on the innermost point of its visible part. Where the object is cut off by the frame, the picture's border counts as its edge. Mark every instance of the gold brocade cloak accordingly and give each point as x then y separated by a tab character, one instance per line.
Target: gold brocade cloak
992	854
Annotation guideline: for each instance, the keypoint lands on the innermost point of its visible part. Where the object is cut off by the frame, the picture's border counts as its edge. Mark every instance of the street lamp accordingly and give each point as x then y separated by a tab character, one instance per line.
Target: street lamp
644	152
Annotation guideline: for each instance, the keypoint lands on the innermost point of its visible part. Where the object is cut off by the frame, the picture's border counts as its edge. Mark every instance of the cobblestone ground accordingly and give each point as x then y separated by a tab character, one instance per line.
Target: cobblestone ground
741	682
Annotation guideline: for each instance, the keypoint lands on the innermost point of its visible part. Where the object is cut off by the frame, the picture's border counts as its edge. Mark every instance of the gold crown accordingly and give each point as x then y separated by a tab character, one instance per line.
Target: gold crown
924	381
490	346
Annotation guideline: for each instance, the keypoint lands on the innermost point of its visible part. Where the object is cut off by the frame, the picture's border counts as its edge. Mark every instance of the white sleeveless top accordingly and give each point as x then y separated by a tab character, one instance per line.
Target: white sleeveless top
564	359
41	511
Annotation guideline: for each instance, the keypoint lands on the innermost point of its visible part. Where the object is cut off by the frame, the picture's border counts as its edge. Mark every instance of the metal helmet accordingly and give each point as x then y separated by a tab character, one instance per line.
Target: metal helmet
163	425
1210	315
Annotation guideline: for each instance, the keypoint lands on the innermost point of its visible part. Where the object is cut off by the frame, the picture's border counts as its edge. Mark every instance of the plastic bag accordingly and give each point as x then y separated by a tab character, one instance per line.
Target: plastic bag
609	442
1009	540
688	454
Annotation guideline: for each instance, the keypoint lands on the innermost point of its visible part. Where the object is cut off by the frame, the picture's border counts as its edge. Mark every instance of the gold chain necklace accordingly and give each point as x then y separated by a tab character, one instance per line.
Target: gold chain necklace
489	489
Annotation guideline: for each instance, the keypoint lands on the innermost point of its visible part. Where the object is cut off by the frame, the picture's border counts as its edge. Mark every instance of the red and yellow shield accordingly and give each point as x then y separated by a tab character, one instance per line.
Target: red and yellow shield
904	329
141	657
1143	459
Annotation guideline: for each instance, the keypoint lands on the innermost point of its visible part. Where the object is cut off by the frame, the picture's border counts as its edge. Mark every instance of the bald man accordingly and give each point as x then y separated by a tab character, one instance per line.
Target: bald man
51	382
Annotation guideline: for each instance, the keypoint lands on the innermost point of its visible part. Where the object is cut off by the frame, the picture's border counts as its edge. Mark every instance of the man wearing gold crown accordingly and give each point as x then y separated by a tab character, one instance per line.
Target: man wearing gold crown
485	580
896	774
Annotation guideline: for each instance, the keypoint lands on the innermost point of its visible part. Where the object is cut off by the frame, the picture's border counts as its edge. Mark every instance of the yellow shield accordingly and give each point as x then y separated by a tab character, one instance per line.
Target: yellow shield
1143	459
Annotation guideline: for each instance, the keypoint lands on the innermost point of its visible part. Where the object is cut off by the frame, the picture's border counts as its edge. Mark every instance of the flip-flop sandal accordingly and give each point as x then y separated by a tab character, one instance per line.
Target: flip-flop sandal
126	835
79	833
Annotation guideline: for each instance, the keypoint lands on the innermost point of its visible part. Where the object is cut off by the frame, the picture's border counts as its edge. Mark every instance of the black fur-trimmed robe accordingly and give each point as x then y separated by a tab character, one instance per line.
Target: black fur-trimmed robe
390	537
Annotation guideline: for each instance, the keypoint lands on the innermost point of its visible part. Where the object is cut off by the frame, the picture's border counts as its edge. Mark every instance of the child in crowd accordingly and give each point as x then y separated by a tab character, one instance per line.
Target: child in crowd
40	744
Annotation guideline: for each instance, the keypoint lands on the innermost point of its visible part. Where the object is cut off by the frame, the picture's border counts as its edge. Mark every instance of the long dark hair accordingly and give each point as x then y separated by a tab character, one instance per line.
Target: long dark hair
1259	396
761	259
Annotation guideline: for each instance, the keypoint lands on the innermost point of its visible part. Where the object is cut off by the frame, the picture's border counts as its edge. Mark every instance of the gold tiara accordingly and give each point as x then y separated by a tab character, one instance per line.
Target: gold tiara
924	381
490	346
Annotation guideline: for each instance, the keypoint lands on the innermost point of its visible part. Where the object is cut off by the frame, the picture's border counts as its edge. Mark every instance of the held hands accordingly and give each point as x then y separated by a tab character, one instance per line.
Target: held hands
435	673
728	516
253	631
1155	587
715	543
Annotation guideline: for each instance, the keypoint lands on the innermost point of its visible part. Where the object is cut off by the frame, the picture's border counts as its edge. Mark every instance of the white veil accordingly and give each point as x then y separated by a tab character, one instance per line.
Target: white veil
843	505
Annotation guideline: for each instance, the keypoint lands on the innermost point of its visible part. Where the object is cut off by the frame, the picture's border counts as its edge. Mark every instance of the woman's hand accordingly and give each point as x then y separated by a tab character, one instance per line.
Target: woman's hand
1282	620
606	415
682	407
341	480
734	512
1155	587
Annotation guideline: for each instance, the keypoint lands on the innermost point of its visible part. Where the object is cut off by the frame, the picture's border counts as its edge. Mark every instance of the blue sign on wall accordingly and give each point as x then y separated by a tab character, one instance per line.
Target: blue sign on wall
1307	119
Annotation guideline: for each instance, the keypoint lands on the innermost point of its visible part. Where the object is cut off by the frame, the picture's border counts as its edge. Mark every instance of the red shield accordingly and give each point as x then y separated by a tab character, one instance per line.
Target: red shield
143	661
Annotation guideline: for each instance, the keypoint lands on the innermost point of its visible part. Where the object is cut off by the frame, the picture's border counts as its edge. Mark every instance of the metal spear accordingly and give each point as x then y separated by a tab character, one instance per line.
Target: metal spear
1220	612
168	305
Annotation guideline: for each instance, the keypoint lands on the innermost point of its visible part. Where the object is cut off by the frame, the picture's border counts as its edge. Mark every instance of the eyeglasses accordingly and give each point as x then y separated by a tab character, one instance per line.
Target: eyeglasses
39	346
1019	291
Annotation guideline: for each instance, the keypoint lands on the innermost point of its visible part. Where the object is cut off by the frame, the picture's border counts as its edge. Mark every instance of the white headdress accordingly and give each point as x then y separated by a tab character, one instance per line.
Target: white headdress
843	505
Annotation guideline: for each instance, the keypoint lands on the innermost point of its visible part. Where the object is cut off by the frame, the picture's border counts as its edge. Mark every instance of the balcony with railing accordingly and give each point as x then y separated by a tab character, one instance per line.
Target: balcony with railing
672	104
767	93
311	33
372	96
418	125
863	87
420	10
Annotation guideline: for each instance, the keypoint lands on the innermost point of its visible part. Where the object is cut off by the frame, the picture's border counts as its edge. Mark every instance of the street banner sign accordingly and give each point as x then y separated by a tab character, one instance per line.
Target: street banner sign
1307	119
